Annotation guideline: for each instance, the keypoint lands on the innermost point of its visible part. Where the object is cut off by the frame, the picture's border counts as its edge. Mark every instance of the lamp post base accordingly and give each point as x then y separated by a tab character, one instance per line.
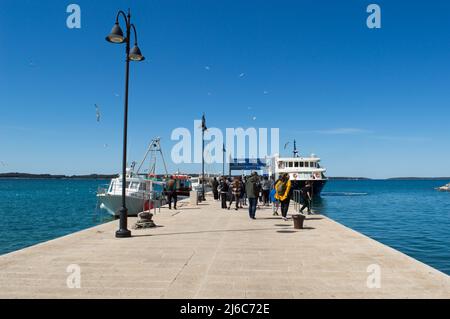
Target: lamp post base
123	233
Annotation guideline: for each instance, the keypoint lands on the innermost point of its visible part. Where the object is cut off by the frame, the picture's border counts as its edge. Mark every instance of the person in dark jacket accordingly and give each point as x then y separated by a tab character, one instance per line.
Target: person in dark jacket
172	192
215	185
251	188
223	188
306	194
265	188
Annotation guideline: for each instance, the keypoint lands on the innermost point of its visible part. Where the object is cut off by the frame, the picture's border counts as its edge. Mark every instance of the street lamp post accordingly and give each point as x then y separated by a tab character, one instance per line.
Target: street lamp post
116	36
204	129
223	159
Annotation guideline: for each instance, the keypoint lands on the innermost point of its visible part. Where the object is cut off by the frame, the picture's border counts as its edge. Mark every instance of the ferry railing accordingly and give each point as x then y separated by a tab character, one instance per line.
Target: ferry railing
297	198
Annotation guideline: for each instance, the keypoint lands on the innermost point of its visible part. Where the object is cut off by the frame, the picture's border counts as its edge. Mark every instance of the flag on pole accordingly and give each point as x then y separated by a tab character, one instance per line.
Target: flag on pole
204	128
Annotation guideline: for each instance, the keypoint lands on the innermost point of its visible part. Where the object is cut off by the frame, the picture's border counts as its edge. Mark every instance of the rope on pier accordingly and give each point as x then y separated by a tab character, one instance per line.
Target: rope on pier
144	221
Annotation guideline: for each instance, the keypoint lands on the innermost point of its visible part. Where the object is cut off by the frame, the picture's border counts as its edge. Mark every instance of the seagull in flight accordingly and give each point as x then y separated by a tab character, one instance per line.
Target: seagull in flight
97	112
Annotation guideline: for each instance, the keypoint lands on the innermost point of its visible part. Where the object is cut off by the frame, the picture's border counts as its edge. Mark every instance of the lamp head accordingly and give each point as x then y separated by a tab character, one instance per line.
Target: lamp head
116	35
135	54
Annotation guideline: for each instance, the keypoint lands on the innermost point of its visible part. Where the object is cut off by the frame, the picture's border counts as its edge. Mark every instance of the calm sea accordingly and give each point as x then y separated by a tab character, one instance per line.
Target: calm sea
410	216
407	215
33	211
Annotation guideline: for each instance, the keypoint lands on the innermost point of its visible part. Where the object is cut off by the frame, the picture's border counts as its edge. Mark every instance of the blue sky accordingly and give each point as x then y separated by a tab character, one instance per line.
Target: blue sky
370	103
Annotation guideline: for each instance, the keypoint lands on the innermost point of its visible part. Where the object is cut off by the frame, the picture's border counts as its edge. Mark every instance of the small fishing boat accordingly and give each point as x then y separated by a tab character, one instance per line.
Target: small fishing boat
445	188
141	194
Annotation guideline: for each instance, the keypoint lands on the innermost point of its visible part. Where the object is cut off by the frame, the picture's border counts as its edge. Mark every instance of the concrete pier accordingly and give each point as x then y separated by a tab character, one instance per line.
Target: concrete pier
206	252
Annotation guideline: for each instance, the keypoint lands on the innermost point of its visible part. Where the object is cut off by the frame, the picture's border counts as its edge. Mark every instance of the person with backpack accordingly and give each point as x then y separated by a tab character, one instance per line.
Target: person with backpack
172	192
283	194
251	189
235	192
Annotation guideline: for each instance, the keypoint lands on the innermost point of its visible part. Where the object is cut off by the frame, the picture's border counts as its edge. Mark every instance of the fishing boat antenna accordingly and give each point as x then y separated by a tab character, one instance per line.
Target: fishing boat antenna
295	149
154	148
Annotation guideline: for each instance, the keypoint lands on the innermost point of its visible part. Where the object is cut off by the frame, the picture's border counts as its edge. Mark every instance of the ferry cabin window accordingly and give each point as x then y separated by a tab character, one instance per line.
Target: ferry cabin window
302	164
142	187
291	164
295	164
306	164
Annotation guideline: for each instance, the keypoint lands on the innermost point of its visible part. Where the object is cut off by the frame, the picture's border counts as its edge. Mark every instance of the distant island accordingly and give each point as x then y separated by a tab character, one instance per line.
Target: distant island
348	178
50	176
418	178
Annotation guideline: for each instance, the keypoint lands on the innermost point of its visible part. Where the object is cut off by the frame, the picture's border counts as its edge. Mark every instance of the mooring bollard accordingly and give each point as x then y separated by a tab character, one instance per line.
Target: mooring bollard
298	220
194	198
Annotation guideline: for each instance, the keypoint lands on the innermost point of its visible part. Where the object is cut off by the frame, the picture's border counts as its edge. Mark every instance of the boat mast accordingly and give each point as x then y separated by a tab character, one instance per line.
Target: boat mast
295	149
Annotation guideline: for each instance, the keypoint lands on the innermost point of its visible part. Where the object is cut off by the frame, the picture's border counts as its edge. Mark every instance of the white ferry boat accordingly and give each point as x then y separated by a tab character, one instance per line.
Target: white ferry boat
300	169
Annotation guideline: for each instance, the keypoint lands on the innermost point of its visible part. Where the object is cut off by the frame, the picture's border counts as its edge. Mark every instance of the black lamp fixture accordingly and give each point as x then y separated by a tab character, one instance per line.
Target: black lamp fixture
116	36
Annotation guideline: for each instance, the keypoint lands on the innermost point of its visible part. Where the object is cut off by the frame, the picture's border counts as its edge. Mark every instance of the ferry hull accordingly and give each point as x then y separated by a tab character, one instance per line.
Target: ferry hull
317	185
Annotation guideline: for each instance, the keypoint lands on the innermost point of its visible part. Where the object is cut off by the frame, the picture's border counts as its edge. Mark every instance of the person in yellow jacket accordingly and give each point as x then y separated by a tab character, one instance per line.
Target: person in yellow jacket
283	194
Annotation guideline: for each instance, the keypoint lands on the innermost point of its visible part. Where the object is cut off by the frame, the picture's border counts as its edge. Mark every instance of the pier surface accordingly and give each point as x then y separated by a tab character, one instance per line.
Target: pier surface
206	252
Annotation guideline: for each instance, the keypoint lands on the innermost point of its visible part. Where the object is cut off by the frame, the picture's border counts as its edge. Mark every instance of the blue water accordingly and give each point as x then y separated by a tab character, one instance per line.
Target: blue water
407	215
34	211
410	216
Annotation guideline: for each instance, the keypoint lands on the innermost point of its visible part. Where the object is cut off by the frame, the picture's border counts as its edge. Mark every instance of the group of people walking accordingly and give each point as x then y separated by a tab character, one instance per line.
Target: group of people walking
256	190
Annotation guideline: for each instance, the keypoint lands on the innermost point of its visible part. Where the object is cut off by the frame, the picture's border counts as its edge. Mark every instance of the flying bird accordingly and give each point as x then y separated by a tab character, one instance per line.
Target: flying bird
241	75
32	64
207	68
97	112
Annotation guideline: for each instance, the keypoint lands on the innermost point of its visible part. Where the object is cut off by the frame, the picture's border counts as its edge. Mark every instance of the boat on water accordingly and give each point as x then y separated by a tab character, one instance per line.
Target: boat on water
300	169
141	193
445	188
